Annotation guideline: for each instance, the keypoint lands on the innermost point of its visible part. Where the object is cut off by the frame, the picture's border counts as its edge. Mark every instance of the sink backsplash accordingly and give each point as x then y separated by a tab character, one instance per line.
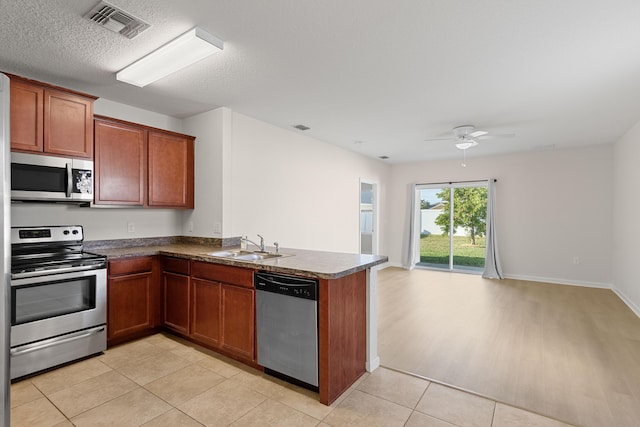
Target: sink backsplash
159	241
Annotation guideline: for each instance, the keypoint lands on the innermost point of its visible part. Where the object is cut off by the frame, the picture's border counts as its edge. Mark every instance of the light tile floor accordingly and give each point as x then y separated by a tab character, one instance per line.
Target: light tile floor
164	381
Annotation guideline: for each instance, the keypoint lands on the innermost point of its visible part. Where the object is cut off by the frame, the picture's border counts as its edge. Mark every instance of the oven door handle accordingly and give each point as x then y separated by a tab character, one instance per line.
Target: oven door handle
55	271
55	341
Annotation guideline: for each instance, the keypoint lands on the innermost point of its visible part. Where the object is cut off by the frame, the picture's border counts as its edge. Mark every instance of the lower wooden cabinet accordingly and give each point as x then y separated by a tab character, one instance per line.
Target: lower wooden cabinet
211	304
176	294
206	311
238	321
175	289
133	304
223	308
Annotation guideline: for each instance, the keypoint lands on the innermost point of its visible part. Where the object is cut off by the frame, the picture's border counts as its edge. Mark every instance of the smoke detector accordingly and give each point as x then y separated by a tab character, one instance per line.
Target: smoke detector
116	20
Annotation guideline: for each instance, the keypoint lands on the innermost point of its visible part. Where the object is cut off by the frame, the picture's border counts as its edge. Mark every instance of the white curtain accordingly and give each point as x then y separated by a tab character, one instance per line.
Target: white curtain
492	267
411	250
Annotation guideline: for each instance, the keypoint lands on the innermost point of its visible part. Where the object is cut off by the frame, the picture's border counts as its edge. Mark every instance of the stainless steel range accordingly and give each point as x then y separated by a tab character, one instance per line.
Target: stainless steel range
58	298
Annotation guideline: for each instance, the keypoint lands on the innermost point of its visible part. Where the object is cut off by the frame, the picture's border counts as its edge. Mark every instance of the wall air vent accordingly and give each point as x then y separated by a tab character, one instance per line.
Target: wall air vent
116	20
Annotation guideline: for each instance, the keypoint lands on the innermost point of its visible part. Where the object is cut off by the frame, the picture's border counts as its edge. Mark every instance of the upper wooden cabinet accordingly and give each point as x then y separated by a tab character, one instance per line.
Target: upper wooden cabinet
170	170
51	120
143	166
120	164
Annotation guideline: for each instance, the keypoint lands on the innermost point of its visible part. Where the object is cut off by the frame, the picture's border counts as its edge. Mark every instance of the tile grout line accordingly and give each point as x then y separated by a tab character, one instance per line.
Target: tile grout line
169	403
462	389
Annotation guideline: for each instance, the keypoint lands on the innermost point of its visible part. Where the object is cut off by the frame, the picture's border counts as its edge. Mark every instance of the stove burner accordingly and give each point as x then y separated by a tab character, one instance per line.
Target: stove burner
47	264
50	250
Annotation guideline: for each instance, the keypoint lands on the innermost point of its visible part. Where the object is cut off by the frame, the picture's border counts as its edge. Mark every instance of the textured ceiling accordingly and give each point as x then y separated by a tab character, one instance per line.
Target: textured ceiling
388	74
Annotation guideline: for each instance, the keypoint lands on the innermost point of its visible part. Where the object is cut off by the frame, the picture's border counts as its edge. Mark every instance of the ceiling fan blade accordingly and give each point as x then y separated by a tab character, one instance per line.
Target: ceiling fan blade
441	139
478	133
497	136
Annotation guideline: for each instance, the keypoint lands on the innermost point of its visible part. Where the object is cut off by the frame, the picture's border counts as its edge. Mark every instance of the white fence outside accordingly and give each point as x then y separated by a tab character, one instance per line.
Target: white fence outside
428	223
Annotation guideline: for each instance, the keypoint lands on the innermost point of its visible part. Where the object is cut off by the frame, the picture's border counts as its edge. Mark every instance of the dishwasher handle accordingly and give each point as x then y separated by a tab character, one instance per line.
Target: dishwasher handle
298	287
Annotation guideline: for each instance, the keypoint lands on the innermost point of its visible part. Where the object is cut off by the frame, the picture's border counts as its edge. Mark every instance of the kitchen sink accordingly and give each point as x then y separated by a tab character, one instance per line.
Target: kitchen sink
257	256
228	254
243	255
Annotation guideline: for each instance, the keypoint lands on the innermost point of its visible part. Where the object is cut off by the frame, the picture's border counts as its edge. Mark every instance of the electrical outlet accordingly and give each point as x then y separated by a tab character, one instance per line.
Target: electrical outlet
217	227
190	227
131	227
576	260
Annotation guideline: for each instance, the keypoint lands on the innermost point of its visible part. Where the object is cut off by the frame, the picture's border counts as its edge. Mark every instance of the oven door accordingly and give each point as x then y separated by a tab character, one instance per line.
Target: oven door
56	304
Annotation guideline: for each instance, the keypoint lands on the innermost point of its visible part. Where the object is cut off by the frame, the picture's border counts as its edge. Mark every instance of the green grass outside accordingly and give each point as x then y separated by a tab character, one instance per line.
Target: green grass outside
434	249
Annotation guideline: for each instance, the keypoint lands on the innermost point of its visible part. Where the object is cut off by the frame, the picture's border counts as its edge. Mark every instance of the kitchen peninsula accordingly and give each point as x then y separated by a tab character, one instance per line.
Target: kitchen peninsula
177	287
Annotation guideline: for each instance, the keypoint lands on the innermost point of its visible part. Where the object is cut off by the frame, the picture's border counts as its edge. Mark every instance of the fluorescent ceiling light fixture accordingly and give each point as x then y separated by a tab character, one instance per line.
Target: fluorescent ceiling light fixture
189	48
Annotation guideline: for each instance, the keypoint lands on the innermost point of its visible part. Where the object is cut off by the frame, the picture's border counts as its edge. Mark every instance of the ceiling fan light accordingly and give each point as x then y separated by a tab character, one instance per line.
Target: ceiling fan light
466	144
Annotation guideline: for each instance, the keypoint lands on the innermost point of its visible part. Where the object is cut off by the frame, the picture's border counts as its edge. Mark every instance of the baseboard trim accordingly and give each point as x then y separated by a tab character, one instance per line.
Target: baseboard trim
627	301
556	281
372	365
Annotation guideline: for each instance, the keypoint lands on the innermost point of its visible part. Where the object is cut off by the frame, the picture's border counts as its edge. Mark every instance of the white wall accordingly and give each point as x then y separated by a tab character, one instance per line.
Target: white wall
296	190
208	212
626	235
573	186
109	223
116	110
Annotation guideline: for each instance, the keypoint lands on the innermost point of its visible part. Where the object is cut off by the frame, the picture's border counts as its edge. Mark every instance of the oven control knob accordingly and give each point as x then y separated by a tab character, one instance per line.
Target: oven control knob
75	231
65	232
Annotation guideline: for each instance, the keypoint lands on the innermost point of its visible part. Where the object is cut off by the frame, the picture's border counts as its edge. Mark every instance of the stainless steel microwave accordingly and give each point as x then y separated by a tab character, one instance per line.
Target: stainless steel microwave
36	177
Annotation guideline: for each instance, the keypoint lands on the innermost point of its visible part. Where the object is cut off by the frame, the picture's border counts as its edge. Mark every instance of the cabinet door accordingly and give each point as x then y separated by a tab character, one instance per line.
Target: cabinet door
131	305
170	171
238	321
27	108
175	293
205	311
120	164
68	124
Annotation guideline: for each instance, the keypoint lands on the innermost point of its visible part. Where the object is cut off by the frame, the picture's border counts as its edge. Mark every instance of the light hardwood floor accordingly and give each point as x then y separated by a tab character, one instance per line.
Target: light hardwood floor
568	352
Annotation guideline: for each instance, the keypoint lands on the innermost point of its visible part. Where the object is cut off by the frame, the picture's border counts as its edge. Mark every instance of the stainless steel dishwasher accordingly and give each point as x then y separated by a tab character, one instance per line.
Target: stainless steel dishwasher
287	327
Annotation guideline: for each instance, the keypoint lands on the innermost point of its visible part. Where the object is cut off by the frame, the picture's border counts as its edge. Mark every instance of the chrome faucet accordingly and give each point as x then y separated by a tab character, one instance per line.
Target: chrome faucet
261	245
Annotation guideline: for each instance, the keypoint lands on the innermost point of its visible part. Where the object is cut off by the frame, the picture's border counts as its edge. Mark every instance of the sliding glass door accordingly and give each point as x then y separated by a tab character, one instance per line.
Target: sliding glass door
434	242
452	226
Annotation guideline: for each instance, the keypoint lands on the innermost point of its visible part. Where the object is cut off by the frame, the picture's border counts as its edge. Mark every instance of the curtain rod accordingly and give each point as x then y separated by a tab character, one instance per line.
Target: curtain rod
457	182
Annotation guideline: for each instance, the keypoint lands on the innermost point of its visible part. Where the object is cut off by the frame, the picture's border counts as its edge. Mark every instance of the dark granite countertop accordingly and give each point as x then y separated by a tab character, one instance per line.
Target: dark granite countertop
318	264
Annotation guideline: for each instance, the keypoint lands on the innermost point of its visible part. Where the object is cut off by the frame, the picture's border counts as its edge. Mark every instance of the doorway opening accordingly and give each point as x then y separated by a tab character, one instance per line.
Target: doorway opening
452	226
368	217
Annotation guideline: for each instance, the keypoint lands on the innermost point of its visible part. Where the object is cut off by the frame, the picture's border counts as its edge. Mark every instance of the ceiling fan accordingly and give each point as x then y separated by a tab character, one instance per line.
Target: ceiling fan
466	136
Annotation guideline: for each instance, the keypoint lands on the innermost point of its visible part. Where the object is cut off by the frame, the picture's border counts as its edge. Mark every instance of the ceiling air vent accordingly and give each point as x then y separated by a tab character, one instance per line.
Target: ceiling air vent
116	20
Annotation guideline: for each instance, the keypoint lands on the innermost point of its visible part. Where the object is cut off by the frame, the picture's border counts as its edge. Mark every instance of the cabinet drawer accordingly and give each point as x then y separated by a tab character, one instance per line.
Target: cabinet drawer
175	265
130	266
223	273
